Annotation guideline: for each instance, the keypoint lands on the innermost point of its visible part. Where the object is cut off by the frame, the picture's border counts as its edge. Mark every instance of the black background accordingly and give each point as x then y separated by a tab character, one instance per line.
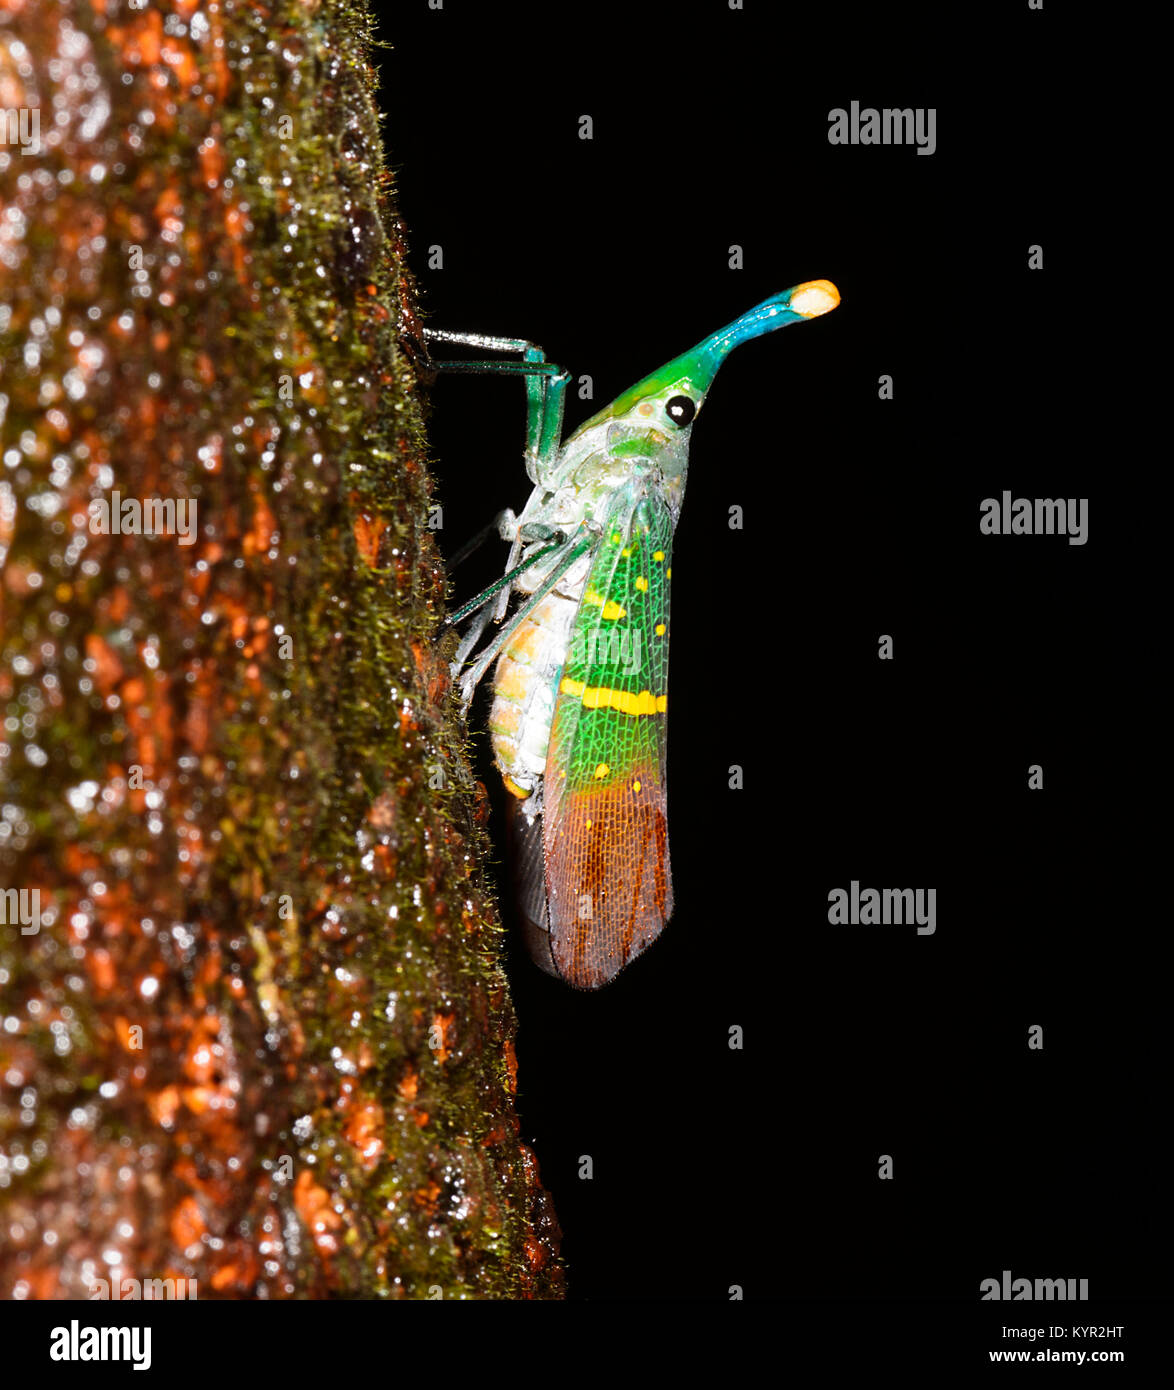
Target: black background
759	1167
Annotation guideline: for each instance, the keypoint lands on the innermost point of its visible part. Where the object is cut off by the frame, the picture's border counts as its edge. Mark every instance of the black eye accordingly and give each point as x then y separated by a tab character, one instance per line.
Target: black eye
681	411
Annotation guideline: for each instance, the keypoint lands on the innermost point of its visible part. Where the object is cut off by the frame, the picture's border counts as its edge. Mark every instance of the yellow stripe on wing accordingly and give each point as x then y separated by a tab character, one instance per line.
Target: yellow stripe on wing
604	697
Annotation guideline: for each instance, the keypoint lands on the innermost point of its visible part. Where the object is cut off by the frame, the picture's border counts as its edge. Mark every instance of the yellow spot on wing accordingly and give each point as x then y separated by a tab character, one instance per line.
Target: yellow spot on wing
612	611
641	583
658	555
660	629
602	770
636	786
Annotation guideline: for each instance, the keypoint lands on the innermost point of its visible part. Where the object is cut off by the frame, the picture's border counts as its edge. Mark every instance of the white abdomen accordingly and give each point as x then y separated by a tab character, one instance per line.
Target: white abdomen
525	688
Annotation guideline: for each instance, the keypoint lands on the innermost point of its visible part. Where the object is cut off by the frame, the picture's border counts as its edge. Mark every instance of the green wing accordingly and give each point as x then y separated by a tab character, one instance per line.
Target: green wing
608	879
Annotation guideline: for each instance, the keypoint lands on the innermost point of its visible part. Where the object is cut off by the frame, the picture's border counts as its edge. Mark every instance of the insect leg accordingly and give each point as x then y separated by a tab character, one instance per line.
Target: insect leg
502	585
469	641
557	540
546	385
502	525
547	437
488	341
486	659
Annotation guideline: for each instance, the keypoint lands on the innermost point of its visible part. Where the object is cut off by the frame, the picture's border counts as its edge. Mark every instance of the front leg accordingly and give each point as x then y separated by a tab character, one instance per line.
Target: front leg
546	386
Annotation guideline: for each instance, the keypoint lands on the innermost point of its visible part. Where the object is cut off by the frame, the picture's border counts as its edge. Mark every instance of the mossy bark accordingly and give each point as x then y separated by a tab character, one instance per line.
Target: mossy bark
261	1037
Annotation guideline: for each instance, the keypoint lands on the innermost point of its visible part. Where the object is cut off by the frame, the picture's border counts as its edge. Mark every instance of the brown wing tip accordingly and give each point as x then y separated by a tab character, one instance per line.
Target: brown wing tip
608	877
587	961
560	943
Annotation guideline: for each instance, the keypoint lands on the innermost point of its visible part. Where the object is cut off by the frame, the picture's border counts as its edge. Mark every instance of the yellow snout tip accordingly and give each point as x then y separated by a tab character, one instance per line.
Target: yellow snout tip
815	297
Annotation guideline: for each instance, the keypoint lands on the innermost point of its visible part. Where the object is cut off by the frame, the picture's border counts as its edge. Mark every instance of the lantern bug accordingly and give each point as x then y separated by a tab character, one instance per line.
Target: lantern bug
580	690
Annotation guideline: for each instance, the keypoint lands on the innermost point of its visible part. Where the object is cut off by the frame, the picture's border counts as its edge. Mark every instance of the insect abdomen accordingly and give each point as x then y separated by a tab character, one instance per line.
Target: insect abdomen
524	692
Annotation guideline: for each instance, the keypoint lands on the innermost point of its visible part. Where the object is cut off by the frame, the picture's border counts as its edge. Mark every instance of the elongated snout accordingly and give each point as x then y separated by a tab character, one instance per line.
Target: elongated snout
693	372
806	301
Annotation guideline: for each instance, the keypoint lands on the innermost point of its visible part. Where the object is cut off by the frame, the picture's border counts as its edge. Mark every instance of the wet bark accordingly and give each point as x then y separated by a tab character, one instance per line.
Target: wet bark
253	1029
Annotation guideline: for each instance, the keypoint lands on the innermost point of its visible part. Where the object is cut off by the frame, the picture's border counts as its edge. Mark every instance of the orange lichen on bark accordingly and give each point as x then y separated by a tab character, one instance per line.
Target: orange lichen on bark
318	1216
187	1224
368	532
364	1130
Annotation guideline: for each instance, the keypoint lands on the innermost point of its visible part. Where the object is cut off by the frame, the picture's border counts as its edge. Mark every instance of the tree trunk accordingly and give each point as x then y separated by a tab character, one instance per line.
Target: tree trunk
254	1029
